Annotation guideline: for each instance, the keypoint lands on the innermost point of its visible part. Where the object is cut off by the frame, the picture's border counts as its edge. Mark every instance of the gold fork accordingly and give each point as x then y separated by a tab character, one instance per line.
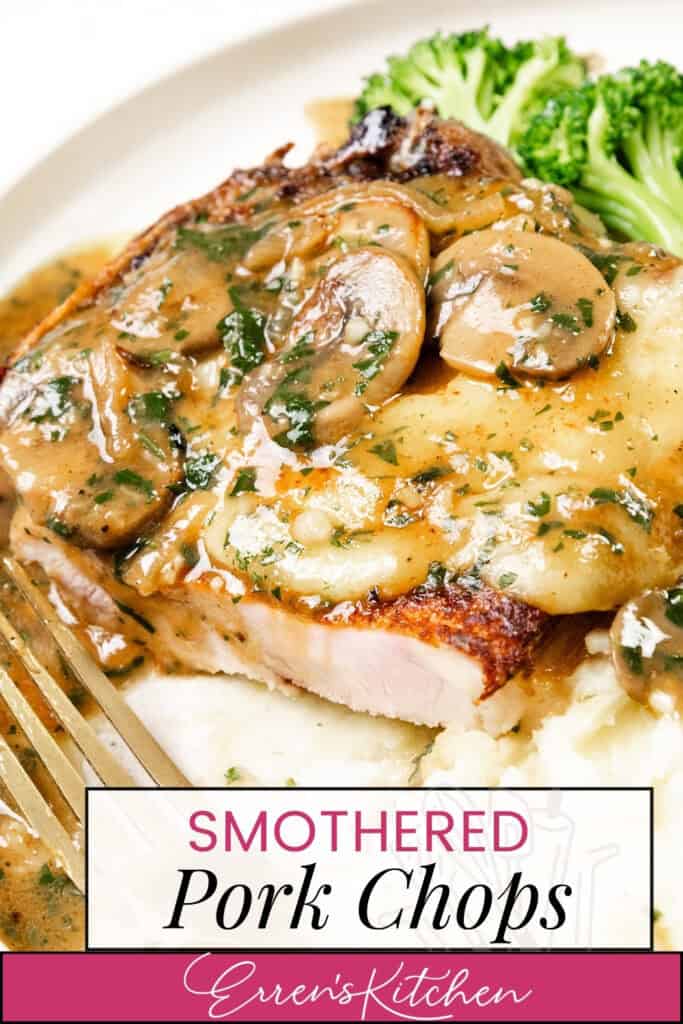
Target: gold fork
67	778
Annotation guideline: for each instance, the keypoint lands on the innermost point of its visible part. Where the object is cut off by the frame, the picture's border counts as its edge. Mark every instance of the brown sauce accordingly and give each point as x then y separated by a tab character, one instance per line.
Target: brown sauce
330	119
39	906
43	289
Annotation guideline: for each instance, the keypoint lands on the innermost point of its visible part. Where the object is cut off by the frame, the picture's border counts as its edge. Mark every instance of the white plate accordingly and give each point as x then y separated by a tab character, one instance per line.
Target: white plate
178	139
181	136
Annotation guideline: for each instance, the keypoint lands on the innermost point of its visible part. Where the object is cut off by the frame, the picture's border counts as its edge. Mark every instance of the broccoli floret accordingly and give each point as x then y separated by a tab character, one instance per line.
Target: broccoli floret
653	142
471	76
616	143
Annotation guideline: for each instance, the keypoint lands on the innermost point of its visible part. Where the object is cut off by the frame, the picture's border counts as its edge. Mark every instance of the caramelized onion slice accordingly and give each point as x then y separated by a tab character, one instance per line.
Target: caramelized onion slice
647	646
352	345
525	300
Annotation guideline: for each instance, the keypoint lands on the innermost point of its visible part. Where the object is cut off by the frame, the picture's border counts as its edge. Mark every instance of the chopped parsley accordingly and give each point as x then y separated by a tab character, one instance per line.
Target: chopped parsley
129	478
625	322
378	345
541	507
636	506
505	377
585	307
190	553
200	471
566	322
540	303
385	450
302	349
440	273
54	400
674	606
152	405
300	411
427	476
232	241
245	481
243	335
59	527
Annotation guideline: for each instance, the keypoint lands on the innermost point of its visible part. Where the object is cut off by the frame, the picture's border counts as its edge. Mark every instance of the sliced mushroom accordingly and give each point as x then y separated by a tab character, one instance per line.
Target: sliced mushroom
524	300
647	647
174	302
105	470
300	237
346	224
392	225
352	344
440	213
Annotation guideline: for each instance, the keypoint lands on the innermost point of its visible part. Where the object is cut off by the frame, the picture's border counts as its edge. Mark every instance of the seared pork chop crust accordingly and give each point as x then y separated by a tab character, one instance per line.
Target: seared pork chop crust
381	146
500	632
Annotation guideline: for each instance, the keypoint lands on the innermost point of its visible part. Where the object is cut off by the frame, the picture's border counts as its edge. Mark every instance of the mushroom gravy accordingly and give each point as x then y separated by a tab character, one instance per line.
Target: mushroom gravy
39	906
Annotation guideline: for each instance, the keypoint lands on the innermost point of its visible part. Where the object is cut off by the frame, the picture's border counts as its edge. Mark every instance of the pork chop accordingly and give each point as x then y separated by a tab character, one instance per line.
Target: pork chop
242	442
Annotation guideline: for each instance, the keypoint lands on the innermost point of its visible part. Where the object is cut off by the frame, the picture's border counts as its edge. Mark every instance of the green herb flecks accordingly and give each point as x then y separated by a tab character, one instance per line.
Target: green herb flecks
540	303
54	400
59	527
507	381
245	481
129	478
378	345
200	471
243	334
230	242
635	504
541	507
386	450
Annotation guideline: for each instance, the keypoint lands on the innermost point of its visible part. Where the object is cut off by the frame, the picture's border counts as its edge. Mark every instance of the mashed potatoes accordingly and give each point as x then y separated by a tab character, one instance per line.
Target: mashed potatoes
587	731
601	738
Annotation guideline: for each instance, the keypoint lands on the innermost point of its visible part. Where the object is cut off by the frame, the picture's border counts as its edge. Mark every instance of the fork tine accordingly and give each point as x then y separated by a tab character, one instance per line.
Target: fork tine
51	754
135	734
107	768
39	816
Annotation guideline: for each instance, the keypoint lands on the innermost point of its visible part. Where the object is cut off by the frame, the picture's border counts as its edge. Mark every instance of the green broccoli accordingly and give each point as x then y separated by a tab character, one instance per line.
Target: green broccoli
471	76
617	143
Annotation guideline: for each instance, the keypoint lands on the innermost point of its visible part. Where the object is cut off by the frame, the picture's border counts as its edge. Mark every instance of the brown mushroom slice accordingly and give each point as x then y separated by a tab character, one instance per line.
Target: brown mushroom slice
172	301
392	225
100	481
519	299
439	219
647	647
298	237
351	224
352	344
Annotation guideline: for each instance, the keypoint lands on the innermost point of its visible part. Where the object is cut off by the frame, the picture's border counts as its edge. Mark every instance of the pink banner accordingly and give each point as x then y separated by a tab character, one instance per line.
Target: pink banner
343	987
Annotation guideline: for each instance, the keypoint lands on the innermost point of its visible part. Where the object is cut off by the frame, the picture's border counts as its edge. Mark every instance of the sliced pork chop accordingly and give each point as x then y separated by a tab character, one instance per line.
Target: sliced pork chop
361	425
426	658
